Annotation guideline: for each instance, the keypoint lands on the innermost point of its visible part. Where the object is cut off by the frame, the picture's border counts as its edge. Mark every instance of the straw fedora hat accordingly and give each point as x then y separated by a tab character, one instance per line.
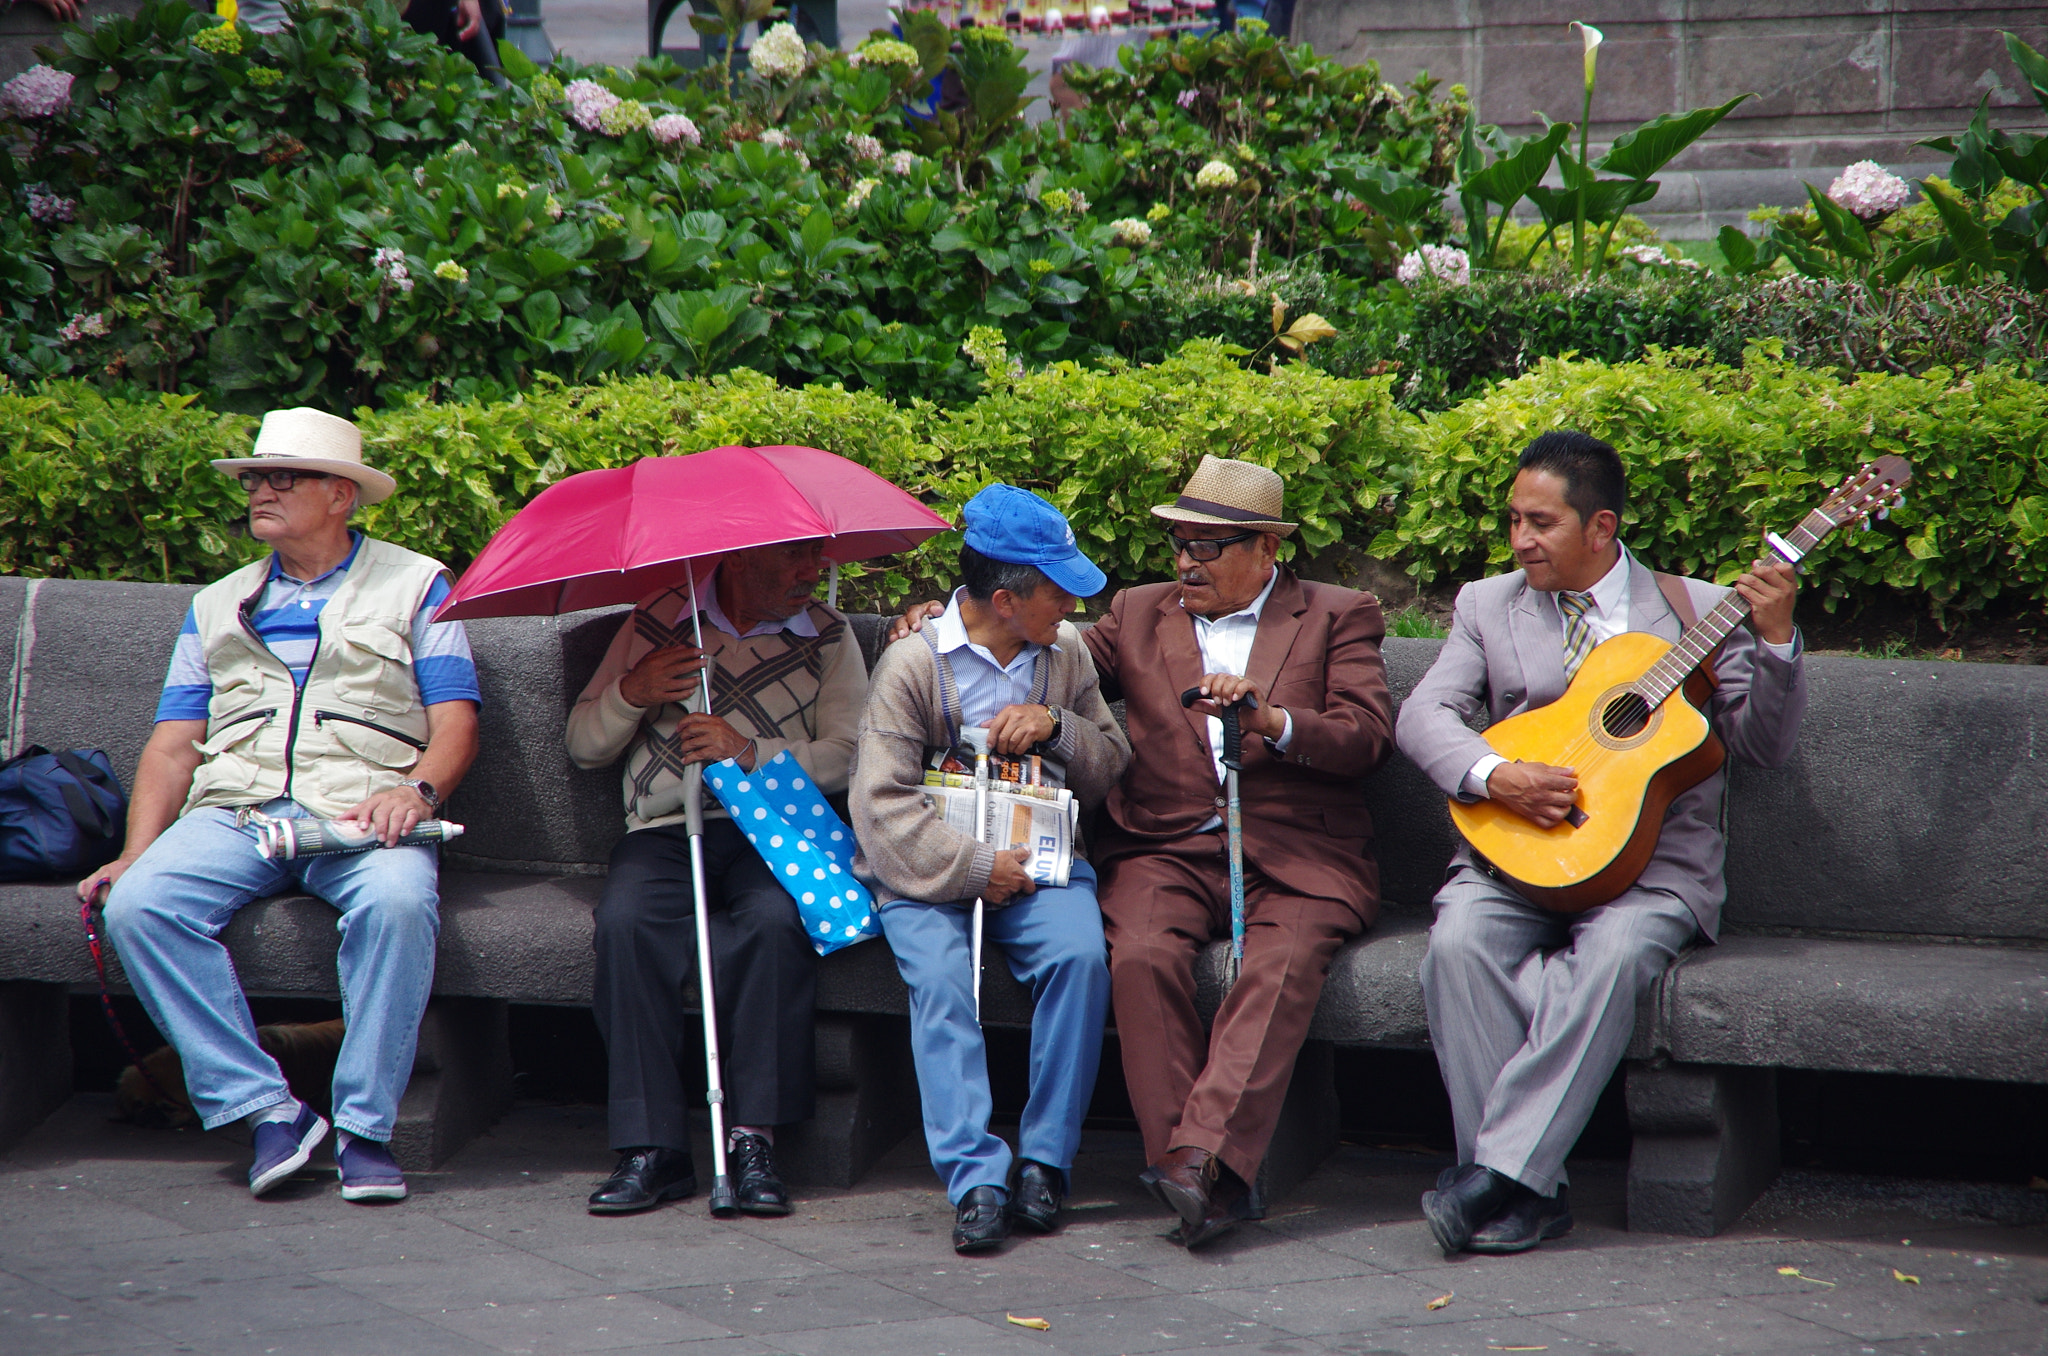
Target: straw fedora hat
312	440
1226	493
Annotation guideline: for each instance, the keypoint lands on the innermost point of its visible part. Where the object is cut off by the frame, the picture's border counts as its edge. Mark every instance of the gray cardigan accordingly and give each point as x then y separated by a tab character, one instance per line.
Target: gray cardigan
906	850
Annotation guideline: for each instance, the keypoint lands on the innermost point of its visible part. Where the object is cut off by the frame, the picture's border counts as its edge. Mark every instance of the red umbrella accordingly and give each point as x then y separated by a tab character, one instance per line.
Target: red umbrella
605	537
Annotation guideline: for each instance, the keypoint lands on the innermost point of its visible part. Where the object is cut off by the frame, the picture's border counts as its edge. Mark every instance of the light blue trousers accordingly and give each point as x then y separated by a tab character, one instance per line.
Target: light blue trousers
1053	940
165	917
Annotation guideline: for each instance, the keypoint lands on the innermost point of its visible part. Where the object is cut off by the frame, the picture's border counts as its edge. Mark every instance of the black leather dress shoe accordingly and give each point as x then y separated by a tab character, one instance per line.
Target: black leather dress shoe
1473	1198
1182	1182
751	1161
1036	1192
644	1179
1230	1205
1529	1219
981	1223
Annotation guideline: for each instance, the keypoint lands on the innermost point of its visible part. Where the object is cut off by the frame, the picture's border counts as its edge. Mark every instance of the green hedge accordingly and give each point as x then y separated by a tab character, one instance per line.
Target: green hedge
97	488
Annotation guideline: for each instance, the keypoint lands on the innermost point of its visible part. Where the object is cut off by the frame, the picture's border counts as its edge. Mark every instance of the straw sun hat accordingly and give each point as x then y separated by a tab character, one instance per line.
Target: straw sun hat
1224	493
308	439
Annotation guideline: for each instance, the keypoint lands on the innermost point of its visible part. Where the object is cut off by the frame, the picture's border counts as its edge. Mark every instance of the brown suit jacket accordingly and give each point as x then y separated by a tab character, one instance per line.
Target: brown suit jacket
1317	653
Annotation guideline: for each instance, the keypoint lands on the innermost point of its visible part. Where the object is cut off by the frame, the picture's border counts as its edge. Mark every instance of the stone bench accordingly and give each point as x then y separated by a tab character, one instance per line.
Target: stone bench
1879	919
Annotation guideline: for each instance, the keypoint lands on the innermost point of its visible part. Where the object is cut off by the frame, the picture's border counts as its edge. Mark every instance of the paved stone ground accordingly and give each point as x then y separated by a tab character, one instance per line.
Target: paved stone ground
115	1239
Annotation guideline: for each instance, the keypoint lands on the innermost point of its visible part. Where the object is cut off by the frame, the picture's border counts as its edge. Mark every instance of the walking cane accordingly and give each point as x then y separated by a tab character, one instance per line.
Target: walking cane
725	1202
1233	818
977	736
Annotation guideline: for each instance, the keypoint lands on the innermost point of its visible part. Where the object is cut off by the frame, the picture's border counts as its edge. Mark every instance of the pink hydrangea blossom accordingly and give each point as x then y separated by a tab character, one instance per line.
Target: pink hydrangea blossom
48	207
1869	191
863	146
902	162
670	128
38	92
1186	98
588	102
83	326
1445	263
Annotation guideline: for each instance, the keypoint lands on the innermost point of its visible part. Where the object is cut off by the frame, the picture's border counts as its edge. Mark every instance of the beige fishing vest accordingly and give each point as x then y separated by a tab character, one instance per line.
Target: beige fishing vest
355	728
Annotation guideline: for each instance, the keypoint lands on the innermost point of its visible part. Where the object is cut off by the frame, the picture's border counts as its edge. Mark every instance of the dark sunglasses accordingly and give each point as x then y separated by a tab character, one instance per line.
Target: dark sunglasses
281	481
1206	548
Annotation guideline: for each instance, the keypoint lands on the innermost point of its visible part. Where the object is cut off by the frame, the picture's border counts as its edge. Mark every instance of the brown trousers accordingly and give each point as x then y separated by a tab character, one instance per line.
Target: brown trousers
1219	1090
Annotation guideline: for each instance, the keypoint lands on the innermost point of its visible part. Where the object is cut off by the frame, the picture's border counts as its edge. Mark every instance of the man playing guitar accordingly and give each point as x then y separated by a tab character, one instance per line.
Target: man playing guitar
1530	1011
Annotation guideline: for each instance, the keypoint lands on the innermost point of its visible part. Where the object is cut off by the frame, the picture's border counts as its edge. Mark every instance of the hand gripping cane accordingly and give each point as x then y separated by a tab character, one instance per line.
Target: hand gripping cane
724	1202
977	738
1233	817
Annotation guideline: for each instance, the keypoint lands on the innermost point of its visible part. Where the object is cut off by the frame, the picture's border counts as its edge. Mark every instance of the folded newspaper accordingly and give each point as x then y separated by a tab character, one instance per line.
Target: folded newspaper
1027	808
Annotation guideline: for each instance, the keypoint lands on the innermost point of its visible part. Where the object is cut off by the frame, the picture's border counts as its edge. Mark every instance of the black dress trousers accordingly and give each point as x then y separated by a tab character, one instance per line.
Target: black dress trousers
763	967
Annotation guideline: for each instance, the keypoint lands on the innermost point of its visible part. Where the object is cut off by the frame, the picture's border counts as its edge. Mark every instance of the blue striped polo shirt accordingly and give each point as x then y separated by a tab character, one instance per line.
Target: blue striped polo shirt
287	618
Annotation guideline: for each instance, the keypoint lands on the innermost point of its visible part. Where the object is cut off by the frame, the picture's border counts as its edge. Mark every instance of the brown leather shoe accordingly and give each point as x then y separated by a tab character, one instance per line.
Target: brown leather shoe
1182	1181
1229	1203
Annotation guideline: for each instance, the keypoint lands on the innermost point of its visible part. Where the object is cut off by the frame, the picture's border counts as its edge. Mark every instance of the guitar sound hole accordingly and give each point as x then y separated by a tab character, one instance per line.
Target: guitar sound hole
1625	716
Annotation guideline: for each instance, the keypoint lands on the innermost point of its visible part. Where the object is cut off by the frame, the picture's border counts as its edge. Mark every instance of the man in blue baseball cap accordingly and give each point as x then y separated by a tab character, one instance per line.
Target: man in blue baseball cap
1002	658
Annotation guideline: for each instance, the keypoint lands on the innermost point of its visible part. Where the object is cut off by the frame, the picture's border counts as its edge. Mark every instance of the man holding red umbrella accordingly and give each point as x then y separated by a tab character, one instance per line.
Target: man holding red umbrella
788	676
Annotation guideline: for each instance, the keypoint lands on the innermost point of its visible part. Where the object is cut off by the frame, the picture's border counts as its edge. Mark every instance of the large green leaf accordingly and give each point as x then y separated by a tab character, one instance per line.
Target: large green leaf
2032	65
1649	148
1510	177
1400	198
1840	225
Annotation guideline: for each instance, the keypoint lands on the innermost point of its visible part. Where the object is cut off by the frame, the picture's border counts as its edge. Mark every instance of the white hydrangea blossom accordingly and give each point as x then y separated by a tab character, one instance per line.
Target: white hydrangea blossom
670	128
588	102
1869	191
390	261
780	54
859	196
1214	175
902	162
1446	263
863	146
1131	231
776	137
38	92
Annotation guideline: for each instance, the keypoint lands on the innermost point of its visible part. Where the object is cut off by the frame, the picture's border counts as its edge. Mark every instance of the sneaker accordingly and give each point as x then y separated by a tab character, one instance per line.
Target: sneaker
368	1171
282	1148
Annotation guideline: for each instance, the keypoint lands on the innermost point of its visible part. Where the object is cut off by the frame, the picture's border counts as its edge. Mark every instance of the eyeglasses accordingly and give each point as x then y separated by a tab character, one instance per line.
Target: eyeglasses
1205	548
281	481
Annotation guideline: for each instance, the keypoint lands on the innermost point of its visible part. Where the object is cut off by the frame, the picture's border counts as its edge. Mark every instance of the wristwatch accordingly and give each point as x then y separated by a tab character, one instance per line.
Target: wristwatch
1057	718
427	793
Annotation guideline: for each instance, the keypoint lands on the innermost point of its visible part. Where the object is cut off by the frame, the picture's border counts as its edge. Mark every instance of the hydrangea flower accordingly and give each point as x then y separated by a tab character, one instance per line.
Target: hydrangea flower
1159	211
545	88
1186	98
625	116
588	101
670	128
38	92
452	271
553	207
219	39
1055	200
83	326
863	146
1131	231
263	77
390	261
780	54
1869	191
1214	175
855	199
50	208
776	137
1445	263
886	52
902	162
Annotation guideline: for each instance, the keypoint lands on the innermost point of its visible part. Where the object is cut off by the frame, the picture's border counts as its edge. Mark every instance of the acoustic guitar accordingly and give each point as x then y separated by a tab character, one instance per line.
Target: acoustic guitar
1633	725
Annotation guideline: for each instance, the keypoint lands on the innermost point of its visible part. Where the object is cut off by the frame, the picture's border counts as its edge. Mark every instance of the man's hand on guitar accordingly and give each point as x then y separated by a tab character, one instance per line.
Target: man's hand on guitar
1770	587
1537	792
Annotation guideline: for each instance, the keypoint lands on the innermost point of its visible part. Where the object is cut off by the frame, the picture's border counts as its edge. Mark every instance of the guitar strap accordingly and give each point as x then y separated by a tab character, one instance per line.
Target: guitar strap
1675	593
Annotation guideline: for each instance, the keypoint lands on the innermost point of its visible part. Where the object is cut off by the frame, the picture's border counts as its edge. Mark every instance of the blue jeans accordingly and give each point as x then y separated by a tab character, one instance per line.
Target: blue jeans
165	917
1053	940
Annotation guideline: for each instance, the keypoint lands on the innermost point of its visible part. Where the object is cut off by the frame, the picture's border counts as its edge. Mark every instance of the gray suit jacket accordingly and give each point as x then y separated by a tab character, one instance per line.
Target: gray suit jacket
1505	655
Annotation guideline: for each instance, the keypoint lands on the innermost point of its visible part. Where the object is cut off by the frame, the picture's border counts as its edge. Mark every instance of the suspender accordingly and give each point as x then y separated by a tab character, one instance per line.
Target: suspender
950	709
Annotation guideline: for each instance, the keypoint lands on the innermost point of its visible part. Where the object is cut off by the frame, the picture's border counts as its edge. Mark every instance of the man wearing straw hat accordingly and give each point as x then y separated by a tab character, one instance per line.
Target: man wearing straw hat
313	682
1234	624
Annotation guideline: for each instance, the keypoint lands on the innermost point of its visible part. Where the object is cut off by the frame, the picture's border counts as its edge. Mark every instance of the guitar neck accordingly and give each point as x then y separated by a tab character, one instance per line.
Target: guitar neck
1668	674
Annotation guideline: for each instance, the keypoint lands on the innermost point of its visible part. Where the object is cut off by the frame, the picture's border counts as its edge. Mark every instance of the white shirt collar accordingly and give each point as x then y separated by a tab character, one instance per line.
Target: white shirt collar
952	635
1251	609
1611	592
707	601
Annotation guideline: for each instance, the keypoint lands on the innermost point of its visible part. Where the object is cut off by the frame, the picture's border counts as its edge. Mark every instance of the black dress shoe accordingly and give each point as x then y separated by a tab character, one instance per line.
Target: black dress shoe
1036	1192
1473	1198
1230	1205
981	1222
1529	1219
644	1179
751	1162
1182	1182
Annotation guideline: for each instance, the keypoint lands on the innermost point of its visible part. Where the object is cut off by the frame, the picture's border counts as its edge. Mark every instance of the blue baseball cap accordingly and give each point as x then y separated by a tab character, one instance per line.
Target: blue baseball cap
1017	527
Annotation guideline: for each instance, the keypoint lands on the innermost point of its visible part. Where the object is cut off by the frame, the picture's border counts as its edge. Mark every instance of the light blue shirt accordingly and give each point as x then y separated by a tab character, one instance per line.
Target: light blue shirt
985	686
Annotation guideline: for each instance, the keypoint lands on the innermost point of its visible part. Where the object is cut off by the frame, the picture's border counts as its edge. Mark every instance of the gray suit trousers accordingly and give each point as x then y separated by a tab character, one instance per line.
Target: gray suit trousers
1531	1012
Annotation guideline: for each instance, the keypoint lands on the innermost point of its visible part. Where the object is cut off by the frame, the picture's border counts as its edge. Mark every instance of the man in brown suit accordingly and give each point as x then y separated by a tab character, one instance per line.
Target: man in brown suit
1234	623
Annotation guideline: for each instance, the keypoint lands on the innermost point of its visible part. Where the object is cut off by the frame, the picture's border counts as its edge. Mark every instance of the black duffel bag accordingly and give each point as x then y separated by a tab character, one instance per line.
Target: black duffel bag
61	814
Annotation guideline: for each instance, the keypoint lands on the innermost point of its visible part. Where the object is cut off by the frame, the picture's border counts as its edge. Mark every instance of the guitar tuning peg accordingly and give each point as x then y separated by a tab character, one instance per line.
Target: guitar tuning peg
1866	523
1899	499
1884	513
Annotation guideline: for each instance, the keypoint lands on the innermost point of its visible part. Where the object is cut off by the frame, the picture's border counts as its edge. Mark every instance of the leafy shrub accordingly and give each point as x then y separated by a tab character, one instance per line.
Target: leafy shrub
1717	452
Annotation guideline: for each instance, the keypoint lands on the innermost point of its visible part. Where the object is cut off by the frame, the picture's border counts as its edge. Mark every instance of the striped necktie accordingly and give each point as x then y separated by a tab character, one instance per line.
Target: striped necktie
1578	633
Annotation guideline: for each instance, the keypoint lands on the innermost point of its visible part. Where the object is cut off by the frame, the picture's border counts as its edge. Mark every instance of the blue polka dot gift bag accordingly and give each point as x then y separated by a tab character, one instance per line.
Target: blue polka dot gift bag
809	848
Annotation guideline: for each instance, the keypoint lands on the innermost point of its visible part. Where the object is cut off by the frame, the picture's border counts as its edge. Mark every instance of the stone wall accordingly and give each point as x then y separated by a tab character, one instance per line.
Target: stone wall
1838	80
